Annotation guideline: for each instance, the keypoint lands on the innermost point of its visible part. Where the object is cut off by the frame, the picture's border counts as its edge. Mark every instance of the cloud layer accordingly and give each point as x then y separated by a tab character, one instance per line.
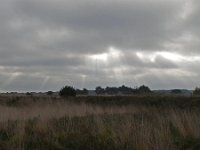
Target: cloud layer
45	44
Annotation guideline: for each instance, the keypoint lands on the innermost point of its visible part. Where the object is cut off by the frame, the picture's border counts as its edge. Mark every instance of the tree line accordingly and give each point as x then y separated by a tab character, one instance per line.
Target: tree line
122	90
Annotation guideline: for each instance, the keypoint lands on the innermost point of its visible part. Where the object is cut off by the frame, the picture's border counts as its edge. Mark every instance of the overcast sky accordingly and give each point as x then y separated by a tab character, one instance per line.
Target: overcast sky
46	44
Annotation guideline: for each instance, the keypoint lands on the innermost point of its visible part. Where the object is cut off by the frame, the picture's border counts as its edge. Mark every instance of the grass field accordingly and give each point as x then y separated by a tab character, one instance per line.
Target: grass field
100	123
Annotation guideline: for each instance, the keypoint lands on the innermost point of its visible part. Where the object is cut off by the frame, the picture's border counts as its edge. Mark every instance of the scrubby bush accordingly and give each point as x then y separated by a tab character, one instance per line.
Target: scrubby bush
67	91
196	91
82	92
144	89
50	93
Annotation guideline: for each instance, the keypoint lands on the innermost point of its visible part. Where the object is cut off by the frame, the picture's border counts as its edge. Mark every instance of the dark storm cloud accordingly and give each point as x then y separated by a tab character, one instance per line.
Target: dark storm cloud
46	43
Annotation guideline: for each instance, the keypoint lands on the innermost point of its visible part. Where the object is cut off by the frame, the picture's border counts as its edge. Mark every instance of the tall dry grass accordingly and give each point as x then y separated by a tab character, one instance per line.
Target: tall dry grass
48	110
31	123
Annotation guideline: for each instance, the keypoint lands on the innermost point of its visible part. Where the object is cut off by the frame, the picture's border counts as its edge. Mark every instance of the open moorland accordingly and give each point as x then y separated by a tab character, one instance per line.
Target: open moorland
100	123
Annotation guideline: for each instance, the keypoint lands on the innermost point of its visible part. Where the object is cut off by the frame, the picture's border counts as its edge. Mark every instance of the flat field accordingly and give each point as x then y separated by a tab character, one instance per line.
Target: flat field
100	123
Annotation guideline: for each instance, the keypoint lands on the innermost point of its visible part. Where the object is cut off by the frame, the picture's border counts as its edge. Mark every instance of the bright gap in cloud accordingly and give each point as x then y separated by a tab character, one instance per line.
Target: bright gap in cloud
100	57
146	57
171	56
175	57
105	61
112	53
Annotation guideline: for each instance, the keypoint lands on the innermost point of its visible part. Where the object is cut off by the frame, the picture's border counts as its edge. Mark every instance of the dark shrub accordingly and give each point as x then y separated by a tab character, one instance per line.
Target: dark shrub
67	91
196	91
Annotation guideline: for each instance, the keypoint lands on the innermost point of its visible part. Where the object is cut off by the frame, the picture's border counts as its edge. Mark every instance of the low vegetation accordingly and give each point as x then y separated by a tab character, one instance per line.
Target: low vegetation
100	123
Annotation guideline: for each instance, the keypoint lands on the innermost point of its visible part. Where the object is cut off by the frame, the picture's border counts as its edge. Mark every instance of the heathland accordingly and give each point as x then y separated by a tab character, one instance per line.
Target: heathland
100	123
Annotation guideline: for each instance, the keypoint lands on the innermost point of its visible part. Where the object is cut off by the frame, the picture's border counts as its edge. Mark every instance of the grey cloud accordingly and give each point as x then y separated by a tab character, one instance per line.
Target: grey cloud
43	61
125	24
53	41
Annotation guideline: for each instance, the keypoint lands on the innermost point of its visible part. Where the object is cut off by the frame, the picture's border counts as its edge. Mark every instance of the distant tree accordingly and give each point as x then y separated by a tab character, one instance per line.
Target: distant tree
99	90
125	90
78	92
112	90
176	91
82	92
49	93
67	91
29	94
144	89
85	91
196	91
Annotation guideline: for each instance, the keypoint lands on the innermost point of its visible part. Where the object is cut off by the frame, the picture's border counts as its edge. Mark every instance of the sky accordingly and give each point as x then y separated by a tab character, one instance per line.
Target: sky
46	44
